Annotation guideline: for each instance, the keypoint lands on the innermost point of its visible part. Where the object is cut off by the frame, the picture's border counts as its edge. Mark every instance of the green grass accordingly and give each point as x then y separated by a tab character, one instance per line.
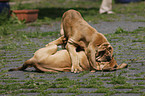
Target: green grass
83	73
118	79
141	83
106	75
101	90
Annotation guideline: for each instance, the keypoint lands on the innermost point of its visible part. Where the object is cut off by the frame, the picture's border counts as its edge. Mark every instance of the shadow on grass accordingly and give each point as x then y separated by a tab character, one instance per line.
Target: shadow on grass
54	13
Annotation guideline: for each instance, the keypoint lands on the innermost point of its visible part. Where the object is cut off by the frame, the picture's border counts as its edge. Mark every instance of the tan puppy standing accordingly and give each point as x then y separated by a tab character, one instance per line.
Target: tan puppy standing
78	32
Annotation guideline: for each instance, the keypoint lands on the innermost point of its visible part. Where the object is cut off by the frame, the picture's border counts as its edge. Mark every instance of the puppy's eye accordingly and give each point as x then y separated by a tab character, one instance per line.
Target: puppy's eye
109	48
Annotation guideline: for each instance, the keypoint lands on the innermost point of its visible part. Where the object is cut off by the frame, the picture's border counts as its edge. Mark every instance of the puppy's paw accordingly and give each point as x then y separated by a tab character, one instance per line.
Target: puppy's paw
93	71
123	65
76	69
46	45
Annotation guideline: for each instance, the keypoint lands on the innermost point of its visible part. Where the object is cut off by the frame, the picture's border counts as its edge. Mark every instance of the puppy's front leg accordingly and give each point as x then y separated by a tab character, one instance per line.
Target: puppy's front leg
74	58
91	57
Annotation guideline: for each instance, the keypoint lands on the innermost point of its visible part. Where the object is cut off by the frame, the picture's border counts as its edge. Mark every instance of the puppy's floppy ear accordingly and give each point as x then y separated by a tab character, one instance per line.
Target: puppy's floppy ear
103	46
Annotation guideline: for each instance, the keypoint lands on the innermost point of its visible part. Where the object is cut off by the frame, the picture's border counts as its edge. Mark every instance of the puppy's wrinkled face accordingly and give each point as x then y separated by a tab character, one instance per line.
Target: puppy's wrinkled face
105	53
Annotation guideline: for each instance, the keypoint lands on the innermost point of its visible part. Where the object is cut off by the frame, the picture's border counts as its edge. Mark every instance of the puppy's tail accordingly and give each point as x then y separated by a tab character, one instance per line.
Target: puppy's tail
28	63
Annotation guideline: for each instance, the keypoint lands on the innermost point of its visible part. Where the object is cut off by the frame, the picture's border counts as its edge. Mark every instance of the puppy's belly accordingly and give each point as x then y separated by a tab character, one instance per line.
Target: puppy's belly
60	59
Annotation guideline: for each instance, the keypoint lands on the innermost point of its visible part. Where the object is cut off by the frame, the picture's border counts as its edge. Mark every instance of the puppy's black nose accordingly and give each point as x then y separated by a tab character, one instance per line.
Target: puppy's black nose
108	58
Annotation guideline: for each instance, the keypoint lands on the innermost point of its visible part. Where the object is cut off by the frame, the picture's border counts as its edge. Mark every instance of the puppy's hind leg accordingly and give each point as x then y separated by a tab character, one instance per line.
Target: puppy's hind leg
58	41
26	64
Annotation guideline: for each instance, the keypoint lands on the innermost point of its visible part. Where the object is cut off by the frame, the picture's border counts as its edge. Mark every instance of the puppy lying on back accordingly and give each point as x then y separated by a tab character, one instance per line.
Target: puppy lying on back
48	59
